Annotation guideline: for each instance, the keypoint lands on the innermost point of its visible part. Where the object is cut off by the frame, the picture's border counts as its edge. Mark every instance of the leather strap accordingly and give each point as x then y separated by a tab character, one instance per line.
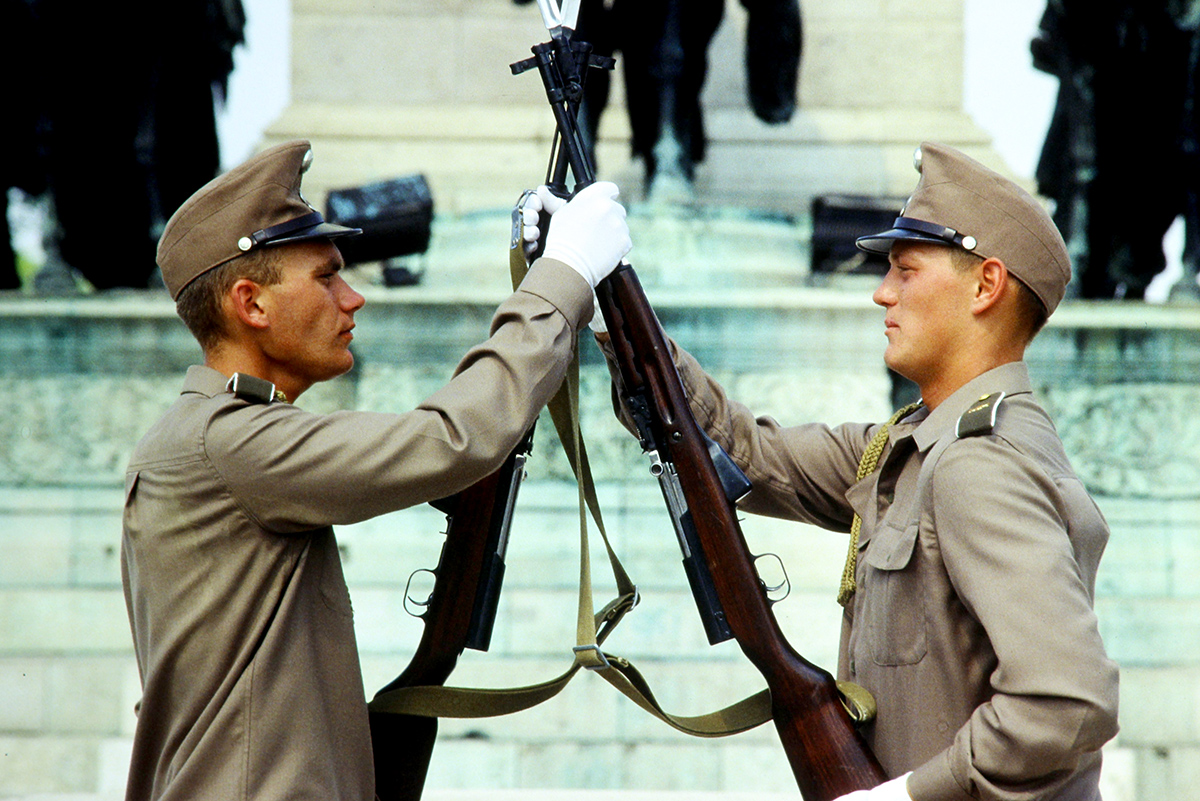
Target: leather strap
591	627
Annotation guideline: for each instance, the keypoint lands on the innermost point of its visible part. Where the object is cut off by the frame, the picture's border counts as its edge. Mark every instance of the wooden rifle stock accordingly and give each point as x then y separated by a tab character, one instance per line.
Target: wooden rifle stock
827	754
459	614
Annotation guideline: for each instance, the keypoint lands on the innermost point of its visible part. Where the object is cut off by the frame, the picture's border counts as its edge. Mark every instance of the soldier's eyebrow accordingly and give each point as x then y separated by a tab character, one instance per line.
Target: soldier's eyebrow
332	264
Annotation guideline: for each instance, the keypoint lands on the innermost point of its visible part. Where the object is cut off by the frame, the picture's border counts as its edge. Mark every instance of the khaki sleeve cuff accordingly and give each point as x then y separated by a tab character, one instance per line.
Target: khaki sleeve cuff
934	781
563	288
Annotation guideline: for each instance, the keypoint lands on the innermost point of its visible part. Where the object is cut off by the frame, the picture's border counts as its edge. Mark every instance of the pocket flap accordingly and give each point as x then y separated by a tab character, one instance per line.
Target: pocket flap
891	547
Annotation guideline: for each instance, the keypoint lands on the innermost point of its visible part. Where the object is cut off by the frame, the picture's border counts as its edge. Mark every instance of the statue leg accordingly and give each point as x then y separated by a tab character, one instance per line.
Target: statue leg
594	27
677	70
1186	288
774	41
9	279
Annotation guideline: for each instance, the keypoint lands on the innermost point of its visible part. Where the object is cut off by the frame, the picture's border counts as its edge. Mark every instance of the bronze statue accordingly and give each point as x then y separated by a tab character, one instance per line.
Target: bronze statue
664	47
1120	157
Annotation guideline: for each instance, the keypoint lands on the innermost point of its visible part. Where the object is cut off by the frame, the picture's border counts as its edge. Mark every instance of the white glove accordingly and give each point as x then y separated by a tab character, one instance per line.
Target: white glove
597	323
894	790
528	215
588	233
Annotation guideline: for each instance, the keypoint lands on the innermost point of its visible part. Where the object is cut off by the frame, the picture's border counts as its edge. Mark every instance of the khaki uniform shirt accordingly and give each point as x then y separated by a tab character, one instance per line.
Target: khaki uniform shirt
973	624
240	614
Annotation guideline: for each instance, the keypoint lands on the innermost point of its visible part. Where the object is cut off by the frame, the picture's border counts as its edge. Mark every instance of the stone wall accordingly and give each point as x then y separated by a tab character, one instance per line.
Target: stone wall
80	380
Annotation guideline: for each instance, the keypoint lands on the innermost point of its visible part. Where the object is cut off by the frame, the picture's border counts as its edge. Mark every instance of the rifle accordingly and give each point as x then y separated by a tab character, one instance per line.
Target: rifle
461	610
701	486
459	613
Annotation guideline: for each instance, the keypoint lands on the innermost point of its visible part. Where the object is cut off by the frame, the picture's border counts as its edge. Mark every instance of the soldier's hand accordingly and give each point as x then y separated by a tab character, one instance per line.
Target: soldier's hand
527	219
589	233
894	790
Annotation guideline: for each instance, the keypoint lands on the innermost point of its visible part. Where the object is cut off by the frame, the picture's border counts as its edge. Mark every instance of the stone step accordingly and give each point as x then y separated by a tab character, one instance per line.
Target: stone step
1115	376
478	157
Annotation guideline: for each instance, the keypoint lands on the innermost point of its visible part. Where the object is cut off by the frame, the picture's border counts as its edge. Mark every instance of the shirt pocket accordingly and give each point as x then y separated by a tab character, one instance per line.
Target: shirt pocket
893	610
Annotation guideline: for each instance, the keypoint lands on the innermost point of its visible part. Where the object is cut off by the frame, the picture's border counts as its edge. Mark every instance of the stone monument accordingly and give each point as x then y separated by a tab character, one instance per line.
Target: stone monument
388	87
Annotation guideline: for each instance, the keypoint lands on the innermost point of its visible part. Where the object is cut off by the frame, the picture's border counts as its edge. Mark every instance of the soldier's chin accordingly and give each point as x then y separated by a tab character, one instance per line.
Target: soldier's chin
897	365
344	365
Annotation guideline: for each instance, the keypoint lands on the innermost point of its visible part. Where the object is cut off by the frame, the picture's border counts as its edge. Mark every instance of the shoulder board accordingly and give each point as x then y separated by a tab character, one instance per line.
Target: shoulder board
254	390
981	417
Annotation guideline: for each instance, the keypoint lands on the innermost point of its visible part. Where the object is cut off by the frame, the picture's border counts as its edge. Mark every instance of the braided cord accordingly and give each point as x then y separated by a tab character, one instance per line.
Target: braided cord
866	465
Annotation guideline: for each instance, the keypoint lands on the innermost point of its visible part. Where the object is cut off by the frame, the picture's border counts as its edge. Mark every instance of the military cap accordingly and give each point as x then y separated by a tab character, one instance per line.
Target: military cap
960	203
256	204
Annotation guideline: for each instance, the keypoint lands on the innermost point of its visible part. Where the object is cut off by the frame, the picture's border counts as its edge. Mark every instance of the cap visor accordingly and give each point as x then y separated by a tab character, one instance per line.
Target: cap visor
322	230
881	243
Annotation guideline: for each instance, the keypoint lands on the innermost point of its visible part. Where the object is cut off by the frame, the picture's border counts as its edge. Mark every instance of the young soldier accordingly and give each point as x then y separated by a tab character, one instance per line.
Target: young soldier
240	614
969	586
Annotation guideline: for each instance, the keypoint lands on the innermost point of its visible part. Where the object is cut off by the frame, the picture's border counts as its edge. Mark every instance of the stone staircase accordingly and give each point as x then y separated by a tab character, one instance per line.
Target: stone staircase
82	378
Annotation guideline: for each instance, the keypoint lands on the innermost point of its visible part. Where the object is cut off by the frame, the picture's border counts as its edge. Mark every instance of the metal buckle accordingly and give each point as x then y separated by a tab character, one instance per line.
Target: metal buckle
601	664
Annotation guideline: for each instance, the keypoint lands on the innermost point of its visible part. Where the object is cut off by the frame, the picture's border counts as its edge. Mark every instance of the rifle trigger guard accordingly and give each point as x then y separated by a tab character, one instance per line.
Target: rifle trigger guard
408	599
772	591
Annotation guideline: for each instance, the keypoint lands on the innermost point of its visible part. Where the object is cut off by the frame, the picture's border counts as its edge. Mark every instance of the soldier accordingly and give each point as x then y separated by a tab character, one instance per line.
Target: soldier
240	613
969	583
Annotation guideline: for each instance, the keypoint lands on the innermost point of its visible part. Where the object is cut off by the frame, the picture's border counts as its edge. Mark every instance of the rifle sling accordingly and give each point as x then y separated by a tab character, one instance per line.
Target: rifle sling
591	628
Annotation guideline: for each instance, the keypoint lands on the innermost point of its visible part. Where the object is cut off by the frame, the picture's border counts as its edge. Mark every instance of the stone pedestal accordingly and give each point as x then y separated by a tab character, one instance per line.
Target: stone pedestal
392	87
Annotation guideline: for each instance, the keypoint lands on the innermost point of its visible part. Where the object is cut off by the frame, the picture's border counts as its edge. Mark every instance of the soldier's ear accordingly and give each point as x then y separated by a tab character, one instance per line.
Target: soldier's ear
992	281
244	298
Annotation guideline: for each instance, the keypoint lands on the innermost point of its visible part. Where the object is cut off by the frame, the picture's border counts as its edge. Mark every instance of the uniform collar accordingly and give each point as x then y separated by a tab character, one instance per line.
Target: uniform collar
929	427
205	381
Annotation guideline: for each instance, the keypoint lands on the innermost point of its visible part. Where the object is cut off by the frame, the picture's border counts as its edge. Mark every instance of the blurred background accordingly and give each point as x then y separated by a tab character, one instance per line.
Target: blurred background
740	244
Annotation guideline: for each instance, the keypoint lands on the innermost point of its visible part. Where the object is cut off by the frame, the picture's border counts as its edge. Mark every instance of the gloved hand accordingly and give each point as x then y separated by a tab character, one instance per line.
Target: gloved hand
597	323
894	790
528	214
588	233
